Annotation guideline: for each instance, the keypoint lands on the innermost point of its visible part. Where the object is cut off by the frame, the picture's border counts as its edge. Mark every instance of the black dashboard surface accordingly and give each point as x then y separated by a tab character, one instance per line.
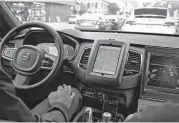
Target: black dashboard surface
84	40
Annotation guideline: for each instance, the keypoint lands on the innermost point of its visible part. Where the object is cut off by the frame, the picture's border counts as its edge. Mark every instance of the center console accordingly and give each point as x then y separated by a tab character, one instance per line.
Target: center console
105	102
105	69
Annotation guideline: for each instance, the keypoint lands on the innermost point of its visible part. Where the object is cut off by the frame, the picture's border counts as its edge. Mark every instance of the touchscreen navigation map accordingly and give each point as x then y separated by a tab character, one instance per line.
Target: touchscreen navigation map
107	60
163	70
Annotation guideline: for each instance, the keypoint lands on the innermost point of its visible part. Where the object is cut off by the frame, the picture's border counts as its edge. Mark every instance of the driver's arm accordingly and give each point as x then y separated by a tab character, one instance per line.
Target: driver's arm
13	108
64	104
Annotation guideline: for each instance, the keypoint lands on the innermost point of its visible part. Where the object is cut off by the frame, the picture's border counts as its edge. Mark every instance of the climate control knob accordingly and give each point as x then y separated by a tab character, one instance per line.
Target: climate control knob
101	96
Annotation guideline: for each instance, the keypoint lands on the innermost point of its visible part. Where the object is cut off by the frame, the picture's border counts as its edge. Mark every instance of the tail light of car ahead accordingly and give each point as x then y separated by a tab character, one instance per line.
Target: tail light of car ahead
130	22
169	24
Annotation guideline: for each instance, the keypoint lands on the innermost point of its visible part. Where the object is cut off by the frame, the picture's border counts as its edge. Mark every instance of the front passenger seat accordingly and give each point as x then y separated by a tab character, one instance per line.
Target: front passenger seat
167	112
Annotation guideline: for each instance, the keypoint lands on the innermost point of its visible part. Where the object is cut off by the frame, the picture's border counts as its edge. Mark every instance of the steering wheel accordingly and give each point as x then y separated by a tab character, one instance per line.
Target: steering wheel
27	60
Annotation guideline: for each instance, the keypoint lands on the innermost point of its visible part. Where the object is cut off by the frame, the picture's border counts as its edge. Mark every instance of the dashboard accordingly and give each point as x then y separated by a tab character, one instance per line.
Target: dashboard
79	47
114	63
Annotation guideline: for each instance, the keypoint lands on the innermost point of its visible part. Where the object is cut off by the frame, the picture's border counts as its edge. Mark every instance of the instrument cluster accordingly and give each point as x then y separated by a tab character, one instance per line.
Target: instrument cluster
51	49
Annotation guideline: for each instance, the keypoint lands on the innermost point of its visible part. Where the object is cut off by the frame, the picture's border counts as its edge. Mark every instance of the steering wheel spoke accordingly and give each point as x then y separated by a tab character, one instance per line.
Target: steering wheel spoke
48	62
8	53
21	80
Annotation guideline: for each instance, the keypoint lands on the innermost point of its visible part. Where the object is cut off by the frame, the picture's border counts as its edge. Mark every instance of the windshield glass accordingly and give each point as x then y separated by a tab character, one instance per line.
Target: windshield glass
148	16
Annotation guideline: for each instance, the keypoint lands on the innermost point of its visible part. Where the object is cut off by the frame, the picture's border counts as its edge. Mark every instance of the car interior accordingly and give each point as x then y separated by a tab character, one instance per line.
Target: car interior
116	72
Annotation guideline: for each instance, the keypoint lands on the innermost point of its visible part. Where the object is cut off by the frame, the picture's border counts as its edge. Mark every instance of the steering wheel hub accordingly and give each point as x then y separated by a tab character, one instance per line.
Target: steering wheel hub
27	59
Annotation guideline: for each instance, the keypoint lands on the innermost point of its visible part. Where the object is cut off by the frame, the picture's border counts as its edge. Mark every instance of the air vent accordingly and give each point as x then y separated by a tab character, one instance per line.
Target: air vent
84	58
133	64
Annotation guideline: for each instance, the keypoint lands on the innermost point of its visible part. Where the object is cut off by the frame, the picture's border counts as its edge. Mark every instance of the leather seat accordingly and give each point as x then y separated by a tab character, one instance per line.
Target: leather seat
42	107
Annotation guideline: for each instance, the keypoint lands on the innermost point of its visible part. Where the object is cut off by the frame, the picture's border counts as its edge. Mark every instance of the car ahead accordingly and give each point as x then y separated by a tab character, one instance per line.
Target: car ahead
150	20
93	22
72	19
114	21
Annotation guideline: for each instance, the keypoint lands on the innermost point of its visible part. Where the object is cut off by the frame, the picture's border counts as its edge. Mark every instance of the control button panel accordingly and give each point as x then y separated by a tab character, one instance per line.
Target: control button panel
118	99
9	69
9	53
104	96
100	96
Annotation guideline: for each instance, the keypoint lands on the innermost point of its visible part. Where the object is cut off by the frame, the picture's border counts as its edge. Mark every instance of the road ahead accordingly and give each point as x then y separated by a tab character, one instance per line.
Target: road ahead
61	25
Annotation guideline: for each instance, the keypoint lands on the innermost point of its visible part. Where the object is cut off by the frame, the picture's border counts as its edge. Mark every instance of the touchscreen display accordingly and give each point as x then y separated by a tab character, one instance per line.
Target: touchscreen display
163	70
107	60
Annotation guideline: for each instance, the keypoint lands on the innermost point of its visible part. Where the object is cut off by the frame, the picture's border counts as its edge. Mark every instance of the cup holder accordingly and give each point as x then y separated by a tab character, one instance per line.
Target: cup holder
97	116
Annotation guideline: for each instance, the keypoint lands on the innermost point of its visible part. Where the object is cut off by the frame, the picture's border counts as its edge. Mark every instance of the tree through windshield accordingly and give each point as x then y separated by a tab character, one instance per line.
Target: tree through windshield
150	16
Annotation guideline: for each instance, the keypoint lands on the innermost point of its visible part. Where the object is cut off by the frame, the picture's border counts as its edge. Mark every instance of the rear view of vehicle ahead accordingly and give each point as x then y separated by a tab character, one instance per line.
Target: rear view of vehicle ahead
150	20
72	19
92	22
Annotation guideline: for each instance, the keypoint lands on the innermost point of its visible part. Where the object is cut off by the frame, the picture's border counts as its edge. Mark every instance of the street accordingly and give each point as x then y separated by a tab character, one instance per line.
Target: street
61	25
64	25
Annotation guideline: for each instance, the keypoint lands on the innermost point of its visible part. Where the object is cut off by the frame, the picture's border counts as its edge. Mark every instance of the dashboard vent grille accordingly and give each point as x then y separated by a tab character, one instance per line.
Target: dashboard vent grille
133	64
84	58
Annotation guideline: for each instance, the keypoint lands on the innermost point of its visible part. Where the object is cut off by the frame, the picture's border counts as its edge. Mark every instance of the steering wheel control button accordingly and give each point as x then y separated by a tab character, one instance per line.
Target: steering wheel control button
9	70
9	53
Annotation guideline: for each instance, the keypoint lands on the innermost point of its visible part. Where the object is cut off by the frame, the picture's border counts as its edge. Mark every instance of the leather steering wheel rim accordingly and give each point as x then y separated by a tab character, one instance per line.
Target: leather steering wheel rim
58	43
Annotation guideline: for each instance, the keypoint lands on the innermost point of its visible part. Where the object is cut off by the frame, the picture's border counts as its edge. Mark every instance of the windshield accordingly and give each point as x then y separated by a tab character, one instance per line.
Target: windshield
147	16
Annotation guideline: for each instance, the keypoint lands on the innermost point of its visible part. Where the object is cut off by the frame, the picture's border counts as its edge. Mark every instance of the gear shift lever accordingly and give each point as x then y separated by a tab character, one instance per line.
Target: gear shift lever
88	116
106	117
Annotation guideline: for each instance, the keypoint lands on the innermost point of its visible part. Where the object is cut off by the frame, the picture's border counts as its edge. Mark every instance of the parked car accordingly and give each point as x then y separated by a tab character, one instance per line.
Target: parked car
72	19
150	20
93	22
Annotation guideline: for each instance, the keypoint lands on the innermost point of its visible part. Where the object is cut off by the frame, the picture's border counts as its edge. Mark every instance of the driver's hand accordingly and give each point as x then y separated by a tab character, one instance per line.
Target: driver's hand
63	95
